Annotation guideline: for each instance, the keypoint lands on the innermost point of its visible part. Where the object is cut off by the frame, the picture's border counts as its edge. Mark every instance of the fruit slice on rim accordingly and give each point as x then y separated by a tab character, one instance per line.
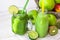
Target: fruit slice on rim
13	9
33	34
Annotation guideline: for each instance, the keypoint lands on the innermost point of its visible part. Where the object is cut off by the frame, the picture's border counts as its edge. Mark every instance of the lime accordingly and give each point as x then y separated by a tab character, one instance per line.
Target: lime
13	9
33	35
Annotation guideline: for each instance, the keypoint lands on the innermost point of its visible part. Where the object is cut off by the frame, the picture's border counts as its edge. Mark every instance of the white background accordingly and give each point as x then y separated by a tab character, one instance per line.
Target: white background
5	20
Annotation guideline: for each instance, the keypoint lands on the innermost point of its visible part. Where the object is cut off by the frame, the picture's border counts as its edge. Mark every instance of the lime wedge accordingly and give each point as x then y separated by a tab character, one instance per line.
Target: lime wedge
33	35
13	9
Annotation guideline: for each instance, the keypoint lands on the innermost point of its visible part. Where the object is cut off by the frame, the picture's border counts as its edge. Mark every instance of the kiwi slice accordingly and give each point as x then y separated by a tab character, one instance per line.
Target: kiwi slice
53	30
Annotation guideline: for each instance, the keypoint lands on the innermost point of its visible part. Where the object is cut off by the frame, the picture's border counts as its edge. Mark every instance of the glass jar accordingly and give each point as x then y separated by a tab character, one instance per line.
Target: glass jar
19	22
41	24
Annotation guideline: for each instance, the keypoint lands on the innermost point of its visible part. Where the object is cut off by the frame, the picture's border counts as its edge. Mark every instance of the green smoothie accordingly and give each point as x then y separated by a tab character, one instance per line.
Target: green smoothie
19	24
42	24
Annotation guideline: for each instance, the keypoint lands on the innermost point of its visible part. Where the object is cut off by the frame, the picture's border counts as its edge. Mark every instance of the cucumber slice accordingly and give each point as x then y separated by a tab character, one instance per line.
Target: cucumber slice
33	35
13	9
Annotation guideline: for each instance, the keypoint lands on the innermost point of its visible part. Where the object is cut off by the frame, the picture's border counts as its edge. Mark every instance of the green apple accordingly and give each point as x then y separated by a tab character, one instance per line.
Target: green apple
32	14
48	4
52	19
57	1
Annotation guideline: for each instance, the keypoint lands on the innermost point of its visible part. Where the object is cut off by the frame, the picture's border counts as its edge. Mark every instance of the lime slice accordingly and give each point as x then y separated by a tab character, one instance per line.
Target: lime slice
13	9
33	34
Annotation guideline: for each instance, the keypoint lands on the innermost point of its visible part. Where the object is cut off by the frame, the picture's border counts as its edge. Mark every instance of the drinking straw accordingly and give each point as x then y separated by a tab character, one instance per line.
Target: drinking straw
25	5
42	6
24	8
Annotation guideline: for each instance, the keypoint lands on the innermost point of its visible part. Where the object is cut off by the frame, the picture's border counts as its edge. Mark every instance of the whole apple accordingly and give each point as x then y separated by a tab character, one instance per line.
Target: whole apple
48	4
57	8
32	14
52	19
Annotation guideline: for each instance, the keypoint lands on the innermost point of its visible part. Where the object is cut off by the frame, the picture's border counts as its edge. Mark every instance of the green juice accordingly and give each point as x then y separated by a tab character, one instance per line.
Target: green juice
42	24
19	23
20	20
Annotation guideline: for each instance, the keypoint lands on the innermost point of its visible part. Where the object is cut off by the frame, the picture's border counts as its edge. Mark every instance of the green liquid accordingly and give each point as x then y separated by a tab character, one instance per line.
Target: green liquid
42	24
19	24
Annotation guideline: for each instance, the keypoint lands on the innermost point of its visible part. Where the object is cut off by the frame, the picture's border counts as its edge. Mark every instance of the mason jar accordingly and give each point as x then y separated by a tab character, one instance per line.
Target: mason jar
19	22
